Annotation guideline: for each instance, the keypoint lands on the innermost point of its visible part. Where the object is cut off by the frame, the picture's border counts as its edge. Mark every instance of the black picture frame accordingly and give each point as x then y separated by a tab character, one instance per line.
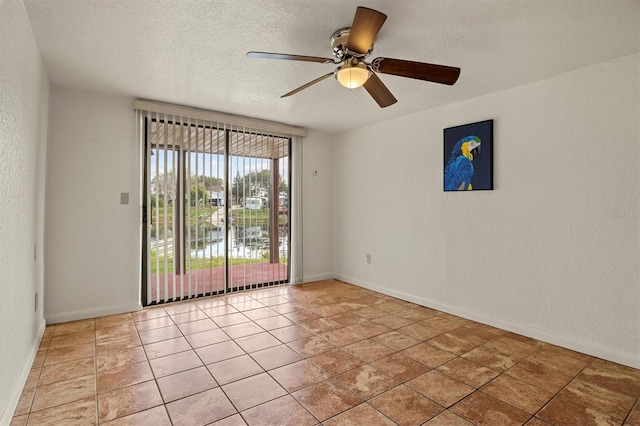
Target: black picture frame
468	157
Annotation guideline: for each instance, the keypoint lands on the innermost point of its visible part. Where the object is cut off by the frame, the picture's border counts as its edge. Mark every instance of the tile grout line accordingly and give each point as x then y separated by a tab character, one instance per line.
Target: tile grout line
155	380
95	370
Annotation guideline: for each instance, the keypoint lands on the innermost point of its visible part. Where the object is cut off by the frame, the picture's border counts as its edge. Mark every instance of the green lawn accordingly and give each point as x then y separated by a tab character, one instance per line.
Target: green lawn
246	217
198	263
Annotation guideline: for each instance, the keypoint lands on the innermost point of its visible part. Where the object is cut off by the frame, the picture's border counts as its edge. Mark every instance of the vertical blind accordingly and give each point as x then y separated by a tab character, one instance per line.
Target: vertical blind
218	207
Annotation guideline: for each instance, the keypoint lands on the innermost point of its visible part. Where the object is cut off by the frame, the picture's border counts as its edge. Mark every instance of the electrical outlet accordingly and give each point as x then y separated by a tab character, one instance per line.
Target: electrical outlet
368	258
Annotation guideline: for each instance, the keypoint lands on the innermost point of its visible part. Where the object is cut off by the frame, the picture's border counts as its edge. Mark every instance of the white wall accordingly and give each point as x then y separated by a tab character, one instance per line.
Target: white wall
93	242
24	97
317	200
93	253
552	252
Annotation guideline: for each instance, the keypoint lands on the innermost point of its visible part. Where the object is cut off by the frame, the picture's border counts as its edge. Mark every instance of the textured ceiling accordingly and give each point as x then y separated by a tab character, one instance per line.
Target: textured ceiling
192	52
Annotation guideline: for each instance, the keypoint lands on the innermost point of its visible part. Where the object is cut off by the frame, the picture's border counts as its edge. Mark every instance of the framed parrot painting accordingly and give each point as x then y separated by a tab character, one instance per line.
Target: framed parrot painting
468	157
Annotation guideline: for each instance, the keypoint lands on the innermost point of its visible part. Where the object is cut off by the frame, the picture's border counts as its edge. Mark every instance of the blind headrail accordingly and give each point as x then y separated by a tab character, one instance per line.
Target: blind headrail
277	129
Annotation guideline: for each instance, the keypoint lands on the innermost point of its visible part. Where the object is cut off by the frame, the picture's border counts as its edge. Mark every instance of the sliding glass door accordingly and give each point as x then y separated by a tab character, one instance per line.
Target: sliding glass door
216	211
258	212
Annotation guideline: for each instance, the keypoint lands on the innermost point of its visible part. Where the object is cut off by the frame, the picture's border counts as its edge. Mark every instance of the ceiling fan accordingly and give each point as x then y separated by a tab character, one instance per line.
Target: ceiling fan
351	47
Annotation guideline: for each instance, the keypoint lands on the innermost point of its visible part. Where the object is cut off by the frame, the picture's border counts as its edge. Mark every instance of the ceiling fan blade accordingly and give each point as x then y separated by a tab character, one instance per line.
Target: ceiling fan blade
267	55
311	83
379	91
418	70
364	29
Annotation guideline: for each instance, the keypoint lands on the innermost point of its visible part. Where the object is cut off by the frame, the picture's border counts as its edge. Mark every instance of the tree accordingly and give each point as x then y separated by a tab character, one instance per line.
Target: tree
283	187
198	194
164	185
237	188
256	184
211	183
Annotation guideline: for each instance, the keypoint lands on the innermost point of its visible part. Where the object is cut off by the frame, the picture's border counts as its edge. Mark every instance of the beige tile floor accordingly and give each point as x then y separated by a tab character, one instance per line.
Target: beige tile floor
323	353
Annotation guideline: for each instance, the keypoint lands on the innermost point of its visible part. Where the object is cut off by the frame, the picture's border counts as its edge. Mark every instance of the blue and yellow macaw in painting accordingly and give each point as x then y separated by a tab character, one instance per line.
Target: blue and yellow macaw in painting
459	170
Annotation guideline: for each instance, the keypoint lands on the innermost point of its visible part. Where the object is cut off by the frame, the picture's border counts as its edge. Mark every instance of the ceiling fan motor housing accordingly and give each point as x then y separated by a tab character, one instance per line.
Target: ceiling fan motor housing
339	45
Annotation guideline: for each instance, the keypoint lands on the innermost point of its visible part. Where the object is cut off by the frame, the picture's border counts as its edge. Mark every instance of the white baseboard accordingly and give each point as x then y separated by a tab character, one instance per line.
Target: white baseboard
317	277
91	313
578	345
16	392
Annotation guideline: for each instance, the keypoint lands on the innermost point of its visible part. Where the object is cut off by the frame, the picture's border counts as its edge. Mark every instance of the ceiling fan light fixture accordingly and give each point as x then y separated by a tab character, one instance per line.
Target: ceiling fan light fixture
352	75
